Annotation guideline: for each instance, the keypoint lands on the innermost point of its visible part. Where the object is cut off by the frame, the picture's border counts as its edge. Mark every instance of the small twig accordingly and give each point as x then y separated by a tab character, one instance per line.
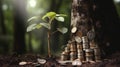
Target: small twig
54	32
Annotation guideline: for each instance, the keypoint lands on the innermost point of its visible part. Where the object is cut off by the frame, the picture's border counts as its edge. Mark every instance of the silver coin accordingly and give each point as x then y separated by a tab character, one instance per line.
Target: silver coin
74	29
91	35
78	39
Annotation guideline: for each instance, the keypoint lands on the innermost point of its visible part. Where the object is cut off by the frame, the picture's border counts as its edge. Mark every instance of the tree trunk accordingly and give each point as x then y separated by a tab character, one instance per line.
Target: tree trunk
19	26
2	24
101	16
3	32
82	33
94	28
81	16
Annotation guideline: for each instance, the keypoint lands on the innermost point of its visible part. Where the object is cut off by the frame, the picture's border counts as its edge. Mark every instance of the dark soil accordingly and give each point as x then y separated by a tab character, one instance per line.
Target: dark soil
31	59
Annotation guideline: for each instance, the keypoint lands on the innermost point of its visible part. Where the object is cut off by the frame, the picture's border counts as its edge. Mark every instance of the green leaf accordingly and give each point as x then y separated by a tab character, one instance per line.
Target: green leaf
38	26
46	25
50	15
61	15
32	18
63	30
61	19
31	27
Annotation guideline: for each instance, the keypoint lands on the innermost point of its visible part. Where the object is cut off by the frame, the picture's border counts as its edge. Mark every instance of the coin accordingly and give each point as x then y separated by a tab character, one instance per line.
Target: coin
74	29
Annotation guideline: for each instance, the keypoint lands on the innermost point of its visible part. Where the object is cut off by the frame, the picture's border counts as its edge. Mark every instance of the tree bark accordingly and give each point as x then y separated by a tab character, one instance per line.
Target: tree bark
81	16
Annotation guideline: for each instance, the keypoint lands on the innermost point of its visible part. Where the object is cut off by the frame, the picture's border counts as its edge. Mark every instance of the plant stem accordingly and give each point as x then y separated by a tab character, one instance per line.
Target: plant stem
49	52
54	32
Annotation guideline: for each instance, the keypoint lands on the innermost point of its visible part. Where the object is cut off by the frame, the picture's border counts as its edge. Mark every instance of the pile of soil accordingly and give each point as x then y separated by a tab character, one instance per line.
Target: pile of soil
31	61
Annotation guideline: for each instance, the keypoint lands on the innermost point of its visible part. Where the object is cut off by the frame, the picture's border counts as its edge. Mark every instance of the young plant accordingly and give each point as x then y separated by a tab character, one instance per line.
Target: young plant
48	20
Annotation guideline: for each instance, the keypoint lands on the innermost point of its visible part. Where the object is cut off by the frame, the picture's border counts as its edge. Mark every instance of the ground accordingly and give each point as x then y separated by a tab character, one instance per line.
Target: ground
31	61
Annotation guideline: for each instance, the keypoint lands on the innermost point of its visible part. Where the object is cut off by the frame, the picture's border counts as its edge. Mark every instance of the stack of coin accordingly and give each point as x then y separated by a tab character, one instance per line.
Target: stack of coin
89	54
73	55
80	55
97	54
92	44
85	42
64	56
79	46
72	47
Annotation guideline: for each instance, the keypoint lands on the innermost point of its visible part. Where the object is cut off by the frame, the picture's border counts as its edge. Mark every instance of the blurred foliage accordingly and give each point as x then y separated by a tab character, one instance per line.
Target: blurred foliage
33	8
117	4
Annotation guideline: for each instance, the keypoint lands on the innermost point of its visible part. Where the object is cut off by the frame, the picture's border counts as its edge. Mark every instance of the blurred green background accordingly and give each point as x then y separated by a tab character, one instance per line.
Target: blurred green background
13	22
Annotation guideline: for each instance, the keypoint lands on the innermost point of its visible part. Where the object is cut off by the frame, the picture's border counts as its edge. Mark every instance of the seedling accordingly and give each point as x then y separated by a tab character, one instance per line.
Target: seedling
48	20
